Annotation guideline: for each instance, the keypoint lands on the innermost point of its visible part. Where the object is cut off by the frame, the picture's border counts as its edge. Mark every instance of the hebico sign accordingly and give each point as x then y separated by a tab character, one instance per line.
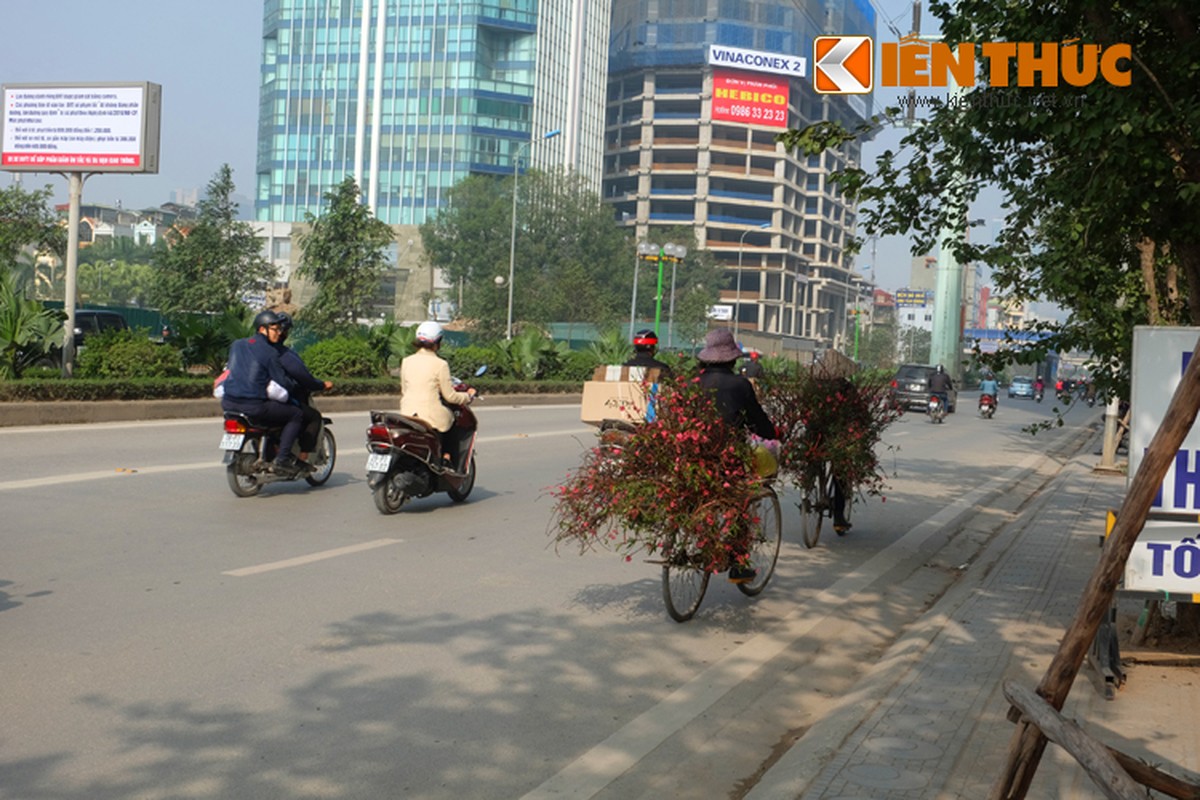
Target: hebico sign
842	64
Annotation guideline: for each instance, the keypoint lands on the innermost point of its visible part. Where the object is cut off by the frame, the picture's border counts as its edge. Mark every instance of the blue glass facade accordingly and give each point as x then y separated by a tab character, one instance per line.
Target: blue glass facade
455	96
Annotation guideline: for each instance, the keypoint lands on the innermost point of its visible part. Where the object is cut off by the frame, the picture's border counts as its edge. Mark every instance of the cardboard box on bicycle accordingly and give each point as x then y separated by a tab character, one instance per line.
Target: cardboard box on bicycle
619	400
620	372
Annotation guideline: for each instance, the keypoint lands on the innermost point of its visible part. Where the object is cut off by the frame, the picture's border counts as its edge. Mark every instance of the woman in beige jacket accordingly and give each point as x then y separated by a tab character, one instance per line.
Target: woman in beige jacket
425	383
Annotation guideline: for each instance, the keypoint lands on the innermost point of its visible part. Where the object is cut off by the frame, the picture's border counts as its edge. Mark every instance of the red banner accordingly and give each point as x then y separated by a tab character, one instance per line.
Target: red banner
749	98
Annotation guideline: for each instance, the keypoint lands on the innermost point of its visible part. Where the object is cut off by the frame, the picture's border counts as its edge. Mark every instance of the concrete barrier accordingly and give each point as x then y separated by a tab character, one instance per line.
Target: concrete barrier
59	413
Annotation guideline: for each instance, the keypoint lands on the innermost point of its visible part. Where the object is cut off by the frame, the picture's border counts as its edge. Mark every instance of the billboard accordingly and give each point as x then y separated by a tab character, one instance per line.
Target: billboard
749	99
756	60
913	297
89	127
1165	557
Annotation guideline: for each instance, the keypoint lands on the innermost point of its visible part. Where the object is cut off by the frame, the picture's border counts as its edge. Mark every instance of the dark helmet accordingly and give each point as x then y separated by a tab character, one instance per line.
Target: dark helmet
264	318
285	321
940	369
645	339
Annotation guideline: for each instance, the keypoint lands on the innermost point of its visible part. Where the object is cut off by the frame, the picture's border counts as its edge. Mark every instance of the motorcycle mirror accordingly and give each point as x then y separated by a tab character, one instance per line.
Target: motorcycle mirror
481	370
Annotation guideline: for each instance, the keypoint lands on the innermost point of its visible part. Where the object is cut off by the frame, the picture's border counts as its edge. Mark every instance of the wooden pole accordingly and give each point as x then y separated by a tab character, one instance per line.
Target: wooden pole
1028	743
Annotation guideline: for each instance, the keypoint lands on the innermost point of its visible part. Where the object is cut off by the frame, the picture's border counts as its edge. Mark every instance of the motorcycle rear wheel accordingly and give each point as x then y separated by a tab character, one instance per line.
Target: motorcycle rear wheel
241	482
389	497
323	459
460	494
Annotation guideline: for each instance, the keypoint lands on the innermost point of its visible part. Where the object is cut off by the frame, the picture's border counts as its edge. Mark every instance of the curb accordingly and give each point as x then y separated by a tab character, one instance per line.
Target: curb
65	412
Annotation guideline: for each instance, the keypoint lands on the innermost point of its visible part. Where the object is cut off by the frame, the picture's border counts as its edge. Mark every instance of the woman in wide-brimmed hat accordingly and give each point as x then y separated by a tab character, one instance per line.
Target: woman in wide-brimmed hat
734	394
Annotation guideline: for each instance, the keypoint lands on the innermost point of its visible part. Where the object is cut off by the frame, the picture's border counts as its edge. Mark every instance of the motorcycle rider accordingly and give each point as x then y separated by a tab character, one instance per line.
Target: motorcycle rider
941	385
988	386
645	345
736	401
258	387
306	384
425	386
1039	387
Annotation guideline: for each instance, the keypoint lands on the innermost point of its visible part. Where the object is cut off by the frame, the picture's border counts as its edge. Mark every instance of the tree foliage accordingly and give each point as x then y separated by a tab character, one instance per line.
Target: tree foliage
28	331
573	262
26	221
210	266
344	253
1100	184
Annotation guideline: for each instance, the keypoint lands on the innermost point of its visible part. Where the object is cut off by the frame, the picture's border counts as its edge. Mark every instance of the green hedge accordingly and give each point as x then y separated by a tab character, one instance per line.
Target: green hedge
190	388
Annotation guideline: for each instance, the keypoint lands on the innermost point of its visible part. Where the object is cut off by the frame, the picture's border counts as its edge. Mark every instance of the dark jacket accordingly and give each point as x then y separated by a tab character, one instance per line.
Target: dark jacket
295	368
253	363
736	400
643	359
940	382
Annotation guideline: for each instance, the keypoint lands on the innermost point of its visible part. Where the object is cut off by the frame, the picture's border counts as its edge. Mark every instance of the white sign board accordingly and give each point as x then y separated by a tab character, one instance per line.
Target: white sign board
722	312
84	127
756	60
1165	557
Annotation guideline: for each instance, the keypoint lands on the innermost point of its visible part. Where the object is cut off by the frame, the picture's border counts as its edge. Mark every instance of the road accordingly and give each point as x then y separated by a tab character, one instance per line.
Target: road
165	639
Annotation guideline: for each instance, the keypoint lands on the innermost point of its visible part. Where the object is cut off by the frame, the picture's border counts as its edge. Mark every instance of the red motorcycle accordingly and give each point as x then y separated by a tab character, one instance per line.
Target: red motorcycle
405	457
987	406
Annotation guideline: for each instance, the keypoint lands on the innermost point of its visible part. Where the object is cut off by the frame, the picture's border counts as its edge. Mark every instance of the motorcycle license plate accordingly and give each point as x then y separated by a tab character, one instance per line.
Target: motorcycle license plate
232	441
378	462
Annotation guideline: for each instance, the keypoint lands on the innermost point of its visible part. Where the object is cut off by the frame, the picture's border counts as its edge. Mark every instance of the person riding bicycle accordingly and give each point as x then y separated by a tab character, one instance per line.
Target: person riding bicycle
940	385
306	384
736	401
259	387
645	345
425	386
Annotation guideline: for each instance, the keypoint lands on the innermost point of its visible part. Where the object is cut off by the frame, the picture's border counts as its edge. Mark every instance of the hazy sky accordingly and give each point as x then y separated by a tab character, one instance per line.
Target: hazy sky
206	57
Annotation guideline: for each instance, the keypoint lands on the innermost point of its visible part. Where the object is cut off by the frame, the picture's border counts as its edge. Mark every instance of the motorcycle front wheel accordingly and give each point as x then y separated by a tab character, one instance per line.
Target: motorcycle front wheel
389	496
323	459
464	489
240	472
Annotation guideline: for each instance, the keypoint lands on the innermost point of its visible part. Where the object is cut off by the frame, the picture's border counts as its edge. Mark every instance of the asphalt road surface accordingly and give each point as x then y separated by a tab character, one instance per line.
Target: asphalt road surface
165	639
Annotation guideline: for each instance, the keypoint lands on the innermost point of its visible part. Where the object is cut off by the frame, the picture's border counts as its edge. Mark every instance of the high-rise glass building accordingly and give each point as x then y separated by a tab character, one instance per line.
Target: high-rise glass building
411	96
690	127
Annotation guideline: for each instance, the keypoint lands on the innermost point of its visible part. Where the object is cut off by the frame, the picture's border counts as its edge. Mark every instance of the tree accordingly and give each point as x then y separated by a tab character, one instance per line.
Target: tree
1101	184
877	345
26	222
344	253
211	266
573	261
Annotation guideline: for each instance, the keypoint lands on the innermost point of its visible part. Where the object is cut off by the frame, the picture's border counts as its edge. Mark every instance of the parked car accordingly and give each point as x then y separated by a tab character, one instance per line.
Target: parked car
1021	386
910	387
89	322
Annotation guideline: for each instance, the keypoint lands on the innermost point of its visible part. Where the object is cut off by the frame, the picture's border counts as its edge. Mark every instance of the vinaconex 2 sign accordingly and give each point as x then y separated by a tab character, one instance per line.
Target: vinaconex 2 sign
842	64
736	58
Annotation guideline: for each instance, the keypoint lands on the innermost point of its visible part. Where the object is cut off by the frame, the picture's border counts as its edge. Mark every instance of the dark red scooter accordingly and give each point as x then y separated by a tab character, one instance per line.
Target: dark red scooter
405	457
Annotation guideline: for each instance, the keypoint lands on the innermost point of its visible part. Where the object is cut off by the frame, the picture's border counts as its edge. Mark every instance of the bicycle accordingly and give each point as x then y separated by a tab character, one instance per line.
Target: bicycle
816	503
685	578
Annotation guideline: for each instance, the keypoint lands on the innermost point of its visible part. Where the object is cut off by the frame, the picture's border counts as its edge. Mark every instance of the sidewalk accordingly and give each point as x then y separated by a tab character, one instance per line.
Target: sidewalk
929	720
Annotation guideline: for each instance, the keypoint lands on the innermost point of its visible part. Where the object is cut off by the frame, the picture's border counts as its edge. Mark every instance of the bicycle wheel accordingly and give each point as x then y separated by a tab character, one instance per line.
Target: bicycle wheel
814	502
683	586
768	533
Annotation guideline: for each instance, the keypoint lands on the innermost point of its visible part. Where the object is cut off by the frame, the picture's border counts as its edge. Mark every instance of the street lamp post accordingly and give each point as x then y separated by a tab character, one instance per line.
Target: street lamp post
673	253
737	303
648	251
512	245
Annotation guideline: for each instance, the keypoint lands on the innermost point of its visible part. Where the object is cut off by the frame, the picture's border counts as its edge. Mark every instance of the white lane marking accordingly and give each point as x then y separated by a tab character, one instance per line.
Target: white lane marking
122	472
300	561
593	771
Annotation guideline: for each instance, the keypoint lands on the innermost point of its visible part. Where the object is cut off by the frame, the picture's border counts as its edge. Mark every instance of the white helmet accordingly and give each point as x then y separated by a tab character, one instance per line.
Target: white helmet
429	332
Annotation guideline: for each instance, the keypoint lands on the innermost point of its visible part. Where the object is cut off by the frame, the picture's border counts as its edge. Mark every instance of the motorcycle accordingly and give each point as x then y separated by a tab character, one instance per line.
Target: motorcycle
987	406
250	449
937	409
1037	395
404	457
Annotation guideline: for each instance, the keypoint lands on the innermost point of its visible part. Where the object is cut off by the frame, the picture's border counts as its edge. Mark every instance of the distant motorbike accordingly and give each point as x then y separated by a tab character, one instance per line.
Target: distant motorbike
987	406
937	409
1037	395
405	457
250	449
